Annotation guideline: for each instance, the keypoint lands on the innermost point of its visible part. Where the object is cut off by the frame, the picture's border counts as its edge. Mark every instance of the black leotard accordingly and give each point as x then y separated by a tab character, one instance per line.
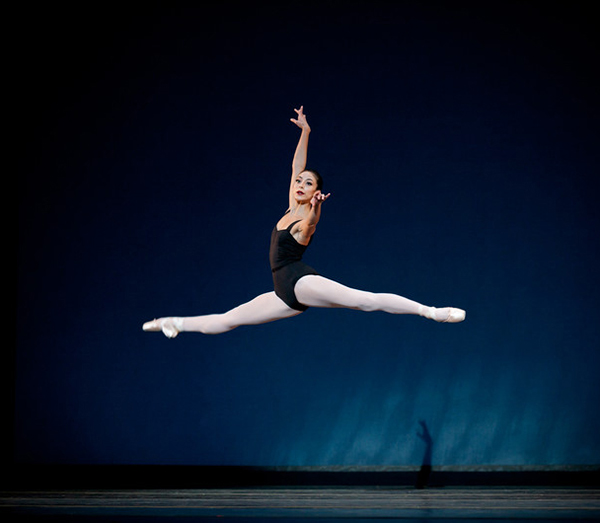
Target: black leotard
287	267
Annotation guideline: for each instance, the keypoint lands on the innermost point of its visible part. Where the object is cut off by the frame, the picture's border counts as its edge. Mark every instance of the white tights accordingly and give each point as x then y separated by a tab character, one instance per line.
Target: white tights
311	290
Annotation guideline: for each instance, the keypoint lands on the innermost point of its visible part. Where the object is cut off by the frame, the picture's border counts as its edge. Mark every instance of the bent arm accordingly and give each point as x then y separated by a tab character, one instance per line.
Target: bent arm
309	224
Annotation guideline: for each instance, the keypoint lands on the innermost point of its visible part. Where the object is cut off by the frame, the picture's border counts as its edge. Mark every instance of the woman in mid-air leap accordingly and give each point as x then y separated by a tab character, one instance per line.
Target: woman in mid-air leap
296	285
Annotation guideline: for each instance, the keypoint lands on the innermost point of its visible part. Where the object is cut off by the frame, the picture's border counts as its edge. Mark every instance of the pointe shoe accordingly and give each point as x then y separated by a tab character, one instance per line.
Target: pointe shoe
446	314
166	325
455	316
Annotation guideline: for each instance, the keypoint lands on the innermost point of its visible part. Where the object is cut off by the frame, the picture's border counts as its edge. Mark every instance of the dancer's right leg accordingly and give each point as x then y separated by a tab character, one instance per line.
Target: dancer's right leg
262	309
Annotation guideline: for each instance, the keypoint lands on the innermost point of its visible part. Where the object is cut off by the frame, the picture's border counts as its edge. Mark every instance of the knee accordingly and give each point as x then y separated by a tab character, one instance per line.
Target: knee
368	302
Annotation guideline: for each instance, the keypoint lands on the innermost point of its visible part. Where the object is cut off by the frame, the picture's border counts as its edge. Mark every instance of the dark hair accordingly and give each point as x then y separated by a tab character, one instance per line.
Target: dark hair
317	176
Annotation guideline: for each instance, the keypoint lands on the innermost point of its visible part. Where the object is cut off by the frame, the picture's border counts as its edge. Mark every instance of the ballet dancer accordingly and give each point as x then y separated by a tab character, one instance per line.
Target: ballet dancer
296	285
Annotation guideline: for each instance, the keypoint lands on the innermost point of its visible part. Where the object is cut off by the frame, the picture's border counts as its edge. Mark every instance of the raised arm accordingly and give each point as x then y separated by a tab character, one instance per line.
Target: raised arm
306	228
301	154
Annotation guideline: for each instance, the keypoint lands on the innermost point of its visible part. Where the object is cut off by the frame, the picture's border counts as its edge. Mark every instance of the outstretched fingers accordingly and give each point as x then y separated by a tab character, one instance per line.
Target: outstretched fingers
301	120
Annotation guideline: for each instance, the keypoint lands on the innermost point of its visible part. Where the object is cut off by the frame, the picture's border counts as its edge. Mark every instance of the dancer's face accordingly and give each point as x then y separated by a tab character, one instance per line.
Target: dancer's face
305	186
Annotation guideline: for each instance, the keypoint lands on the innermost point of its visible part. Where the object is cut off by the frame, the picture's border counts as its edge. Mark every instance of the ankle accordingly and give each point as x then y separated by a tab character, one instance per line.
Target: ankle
427	312
178	323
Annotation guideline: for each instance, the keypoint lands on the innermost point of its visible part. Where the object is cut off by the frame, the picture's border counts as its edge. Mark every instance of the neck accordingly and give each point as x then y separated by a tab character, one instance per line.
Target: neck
300	208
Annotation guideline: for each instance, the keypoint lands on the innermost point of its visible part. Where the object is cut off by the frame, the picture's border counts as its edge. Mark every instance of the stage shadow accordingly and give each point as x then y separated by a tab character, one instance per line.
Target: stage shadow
425	470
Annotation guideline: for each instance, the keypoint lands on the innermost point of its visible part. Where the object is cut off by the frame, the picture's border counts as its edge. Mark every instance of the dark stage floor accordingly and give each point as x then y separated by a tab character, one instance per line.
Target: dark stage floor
312	504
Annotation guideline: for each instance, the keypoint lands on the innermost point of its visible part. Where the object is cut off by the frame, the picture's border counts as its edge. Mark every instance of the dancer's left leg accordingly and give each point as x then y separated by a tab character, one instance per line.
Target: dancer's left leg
262	309
317	291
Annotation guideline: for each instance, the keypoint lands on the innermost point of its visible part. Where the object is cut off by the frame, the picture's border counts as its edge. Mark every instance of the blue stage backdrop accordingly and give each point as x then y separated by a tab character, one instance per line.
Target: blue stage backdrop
460	145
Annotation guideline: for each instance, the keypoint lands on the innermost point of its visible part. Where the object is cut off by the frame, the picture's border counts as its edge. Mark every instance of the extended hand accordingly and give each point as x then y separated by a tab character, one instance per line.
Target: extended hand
301	120
318	198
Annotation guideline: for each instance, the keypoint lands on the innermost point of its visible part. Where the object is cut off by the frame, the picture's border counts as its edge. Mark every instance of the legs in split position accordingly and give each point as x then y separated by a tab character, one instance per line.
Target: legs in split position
313	291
